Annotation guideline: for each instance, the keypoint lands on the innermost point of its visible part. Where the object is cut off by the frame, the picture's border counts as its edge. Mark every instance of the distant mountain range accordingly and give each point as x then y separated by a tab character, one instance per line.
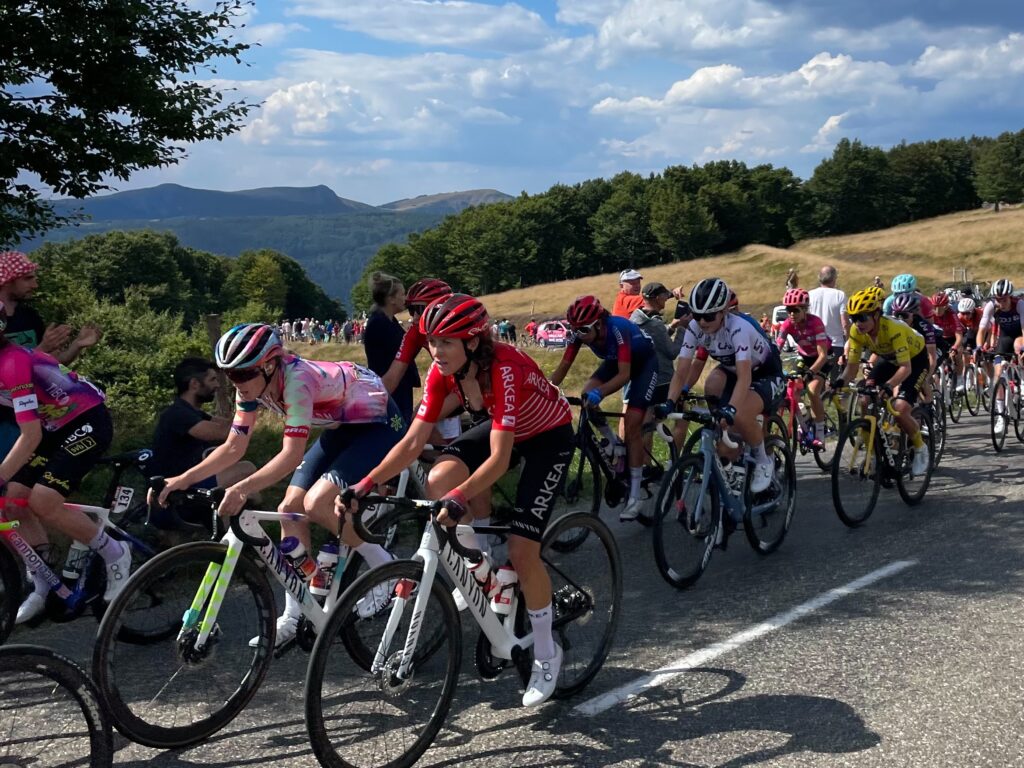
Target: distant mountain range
331	236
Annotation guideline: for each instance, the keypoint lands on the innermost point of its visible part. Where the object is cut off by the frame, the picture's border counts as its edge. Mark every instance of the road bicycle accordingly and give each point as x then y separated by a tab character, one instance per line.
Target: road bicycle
379	687
947	385
1007	401
874	451
10	585
201	670
49	712
976	384
704	497
82	579
797	415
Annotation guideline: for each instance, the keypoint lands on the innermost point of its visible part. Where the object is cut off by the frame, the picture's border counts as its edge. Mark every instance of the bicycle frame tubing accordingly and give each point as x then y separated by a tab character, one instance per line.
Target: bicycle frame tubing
586	439
872	418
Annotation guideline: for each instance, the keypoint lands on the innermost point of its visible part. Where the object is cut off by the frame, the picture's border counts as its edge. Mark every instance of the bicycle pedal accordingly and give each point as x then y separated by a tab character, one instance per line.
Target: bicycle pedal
284	647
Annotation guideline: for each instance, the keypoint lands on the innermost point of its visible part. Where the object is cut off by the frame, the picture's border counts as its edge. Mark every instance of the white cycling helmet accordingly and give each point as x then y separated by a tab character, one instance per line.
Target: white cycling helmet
1001	287
708	296
966	306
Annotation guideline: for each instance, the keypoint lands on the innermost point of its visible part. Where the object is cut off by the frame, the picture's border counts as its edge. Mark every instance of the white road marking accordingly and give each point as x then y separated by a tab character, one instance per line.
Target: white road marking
698	658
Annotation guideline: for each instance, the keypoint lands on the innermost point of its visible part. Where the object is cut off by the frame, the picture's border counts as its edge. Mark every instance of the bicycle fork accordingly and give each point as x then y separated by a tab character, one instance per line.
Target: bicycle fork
213	587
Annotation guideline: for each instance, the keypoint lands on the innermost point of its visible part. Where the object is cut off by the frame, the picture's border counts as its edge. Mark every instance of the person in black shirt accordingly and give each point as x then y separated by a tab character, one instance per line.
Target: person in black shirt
383	336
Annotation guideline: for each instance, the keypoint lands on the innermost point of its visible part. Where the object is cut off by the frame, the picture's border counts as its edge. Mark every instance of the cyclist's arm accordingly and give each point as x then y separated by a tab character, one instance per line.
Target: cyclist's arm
278	468
394	375
211	430
983	325
902	372
568	356
405	452
16	374
818	364
933	357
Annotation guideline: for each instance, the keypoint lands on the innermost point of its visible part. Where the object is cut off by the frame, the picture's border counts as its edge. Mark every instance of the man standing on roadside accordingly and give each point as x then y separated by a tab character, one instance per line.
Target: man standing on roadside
628	298
829	303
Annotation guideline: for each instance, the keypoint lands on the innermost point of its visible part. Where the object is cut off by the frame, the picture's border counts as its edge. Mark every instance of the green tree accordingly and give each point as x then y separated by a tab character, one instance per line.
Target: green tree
93	90
681	223
621	227
1000	170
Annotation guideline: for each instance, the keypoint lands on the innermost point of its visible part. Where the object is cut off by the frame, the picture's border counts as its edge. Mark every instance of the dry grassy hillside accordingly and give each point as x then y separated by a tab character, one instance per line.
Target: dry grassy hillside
989	245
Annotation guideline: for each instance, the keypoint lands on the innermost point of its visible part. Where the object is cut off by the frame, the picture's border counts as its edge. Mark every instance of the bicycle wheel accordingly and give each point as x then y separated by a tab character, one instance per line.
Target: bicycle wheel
580	493
984	390
856	474
1017	410
913	487
956	397
686	524
998	437
972	399
49	712
586	595
938	424
10	590
835	420
359	717
168	693
767	518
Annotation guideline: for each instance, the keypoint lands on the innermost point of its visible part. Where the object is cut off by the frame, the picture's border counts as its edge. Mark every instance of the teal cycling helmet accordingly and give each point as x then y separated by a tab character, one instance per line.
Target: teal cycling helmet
903	284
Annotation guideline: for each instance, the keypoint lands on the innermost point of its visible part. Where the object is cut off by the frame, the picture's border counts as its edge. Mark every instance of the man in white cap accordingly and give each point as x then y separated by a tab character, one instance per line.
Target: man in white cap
629	297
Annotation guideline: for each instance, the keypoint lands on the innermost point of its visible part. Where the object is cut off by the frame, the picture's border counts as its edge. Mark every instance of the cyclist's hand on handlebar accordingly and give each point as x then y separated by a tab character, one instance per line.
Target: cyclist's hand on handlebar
454	506
592	398
727	414
348	499
662	410
171	485
233	501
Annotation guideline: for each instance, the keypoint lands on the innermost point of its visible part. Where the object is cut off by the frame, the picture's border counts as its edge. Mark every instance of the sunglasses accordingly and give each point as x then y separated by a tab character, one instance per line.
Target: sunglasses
1003	298
242	376
416	309
860	317
583	330
794	310
705	317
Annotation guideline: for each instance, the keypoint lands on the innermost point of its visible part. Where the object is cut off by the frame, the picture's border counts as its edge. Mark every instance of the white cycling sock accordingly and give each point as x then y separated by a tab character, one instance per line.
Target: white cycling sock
106	547
636	474
374	554
543	642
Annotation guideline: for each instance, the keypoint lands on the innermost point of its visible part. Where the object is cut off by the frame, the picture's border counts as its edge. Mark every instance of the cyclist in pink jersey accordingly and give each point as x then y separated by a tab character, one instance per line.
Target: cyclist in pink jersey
361	424
64	429
812	344
526	416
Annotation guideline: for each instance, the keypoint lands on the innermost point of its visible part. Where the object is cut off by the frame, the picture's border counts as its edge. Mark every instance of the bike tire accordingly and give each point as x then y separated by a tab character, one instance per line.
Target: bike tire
998	438
10	590
762	536
971	397
586	598
581	492
940	427
171	709
956	398
27	695
835	421
683	547
351	686
913	495
856	467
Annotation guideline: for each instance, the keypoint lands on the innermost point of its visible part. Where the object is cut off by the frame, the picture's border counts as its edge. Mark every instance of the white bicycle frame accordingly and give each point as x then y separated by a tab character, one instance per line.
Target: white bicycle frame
217	577
431	553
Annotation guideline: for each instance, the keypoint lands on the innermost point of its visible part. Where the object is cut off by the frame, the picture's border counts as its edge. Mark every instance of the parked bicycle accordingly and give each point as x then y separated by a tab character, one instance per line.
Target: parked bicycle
706	495
379	687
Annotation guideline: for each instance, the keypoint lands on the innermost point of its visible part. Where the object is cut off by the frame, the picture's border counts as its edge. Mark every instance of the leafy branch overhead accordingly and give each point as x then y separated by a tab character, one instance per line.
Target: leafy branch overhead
93	89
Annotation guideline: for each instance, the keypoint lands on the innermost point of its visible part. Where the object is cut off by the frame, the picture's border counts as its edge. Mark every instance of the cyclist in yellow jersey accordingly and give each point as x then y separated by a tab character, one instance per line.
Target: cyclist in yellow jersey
900	367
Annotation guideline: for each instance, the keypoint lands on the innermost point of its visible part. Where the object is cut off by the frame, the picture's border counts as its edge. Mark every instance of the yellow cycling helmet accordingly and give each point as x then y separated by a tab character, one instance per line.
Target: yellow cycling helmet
863	302
875	291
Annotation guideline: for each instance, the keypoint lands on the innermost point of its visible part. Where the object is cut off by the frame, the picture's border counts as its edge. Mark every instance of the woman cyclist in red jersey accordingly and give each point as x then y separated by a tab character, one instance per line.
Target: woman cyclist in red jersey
812	344
527	417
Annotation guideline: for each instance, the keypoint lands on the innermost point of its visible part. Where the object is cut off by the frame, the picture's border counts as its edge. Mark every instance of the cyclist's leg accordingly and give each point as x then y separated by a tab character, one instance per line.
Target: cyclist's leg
643	385
457	461
907	395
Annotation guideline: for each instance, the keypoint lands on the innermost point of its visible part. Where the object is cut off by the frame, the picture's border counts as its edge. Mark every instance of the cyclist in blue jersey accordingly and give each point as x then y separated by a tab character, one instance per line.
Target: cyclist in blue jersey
627	357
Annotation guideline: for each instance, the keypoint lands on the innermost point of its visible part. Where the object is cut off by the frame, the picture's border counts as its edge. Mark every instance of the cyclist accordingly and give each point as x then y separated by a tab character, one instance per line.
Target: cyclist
527	417
748	380
1003	316
951	339
969	315
361	424
627	357
907	283
813	345
900	365
64	428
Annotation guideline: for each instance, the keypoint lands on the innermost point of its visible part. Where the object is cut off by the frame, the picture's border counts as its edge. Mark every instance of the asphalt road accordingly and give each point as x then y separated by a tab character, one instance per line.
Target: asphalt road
924	666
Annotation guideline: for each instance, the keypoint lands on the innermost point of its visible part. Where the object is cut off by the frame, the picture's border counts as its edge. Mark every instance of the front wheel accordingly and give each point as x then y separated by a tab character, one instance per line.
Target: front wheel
169	693
835	421
362	709
972	399
767	517
856	474
687	521
996	415
586	597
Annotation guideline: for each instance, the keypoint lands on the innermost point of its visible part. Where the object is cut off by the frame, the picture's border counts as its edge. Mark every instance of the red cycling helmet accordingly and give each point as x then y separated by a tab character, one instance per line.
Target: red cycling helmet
583	311
796	297
427	290
940	299
455	317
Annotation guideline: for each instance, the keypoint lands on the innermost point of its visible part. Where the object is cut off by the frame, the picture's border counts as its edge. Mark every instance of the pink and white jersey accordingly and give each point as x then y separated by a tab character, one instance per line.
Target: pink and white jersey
36	386
320	394
807	337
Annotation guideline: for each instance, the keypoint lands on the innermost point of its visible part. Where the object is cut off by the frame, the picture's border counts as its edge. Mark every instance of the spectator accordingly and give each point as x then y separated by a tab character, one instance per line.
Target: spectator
531	331
382	337
511	332
184	431
766	323
347	332
629	297
878	282
648	316
792	279
829	304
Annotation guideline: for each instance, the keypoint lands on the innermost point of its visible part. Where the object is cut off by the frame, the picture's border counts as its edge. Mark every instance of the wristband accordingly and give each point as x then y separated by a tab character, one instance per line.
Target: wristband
363	487
458	497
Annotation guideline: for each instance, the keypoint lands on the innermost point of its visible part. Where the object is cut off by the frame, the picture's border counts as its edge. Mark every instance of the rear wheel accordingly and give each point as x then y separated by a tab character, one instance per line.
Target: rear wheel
10	590
769	514
581	493
912	487
835	421
972	398
956	397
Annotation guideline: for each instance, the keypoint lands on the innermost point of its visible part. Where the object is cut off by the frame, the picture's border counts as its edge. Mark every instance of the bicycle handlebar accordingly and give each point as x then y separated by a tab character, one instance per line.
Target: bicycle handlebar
212	496
433	507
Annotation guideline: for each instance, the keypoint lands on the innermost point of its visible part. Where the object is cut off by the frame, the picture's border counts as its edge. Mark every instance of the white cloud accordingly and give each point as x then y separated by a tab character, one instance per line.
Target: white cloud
269	34
589	13
307	109
998	60
825	138
434	23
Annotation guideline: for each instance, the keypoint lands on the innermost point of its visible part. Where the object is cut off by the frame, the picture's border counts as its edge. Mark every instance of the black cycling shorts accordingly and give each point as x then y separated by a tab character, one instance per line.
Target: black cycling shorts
884	370
1004	345
545	462
639	391
67	454
766	381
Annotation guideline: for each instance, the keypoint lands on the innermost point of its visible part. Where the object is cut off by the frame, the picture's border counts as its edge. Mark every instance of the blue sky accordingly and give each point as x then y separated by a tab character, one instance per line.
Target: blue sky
384	99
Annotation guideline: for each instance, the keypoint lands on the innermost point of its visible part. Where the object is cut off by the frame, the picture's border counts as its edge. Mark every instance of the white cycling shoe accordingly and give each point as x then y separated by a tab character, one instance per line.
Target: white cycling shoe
377	599
761	475
34	605
631	511
922	458
117	574
287	628
1000	424
543	679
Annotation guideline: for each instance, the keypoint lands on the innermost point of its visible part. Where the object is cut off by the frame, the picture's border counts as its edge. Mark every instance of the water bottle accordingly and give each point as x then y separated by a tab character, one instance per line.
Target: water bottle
74	563
739	476
326	564
295	552
619	460
503	590
608	448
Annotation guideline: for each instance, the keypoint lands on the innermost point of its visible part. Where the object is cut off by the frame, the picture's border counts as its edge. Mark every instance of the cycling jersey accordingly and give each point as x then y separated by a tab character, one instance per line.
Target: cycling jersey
894	341
924	327
734	341
519	399
949	323
624	341
36	386
1009	322
807	336
320	394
